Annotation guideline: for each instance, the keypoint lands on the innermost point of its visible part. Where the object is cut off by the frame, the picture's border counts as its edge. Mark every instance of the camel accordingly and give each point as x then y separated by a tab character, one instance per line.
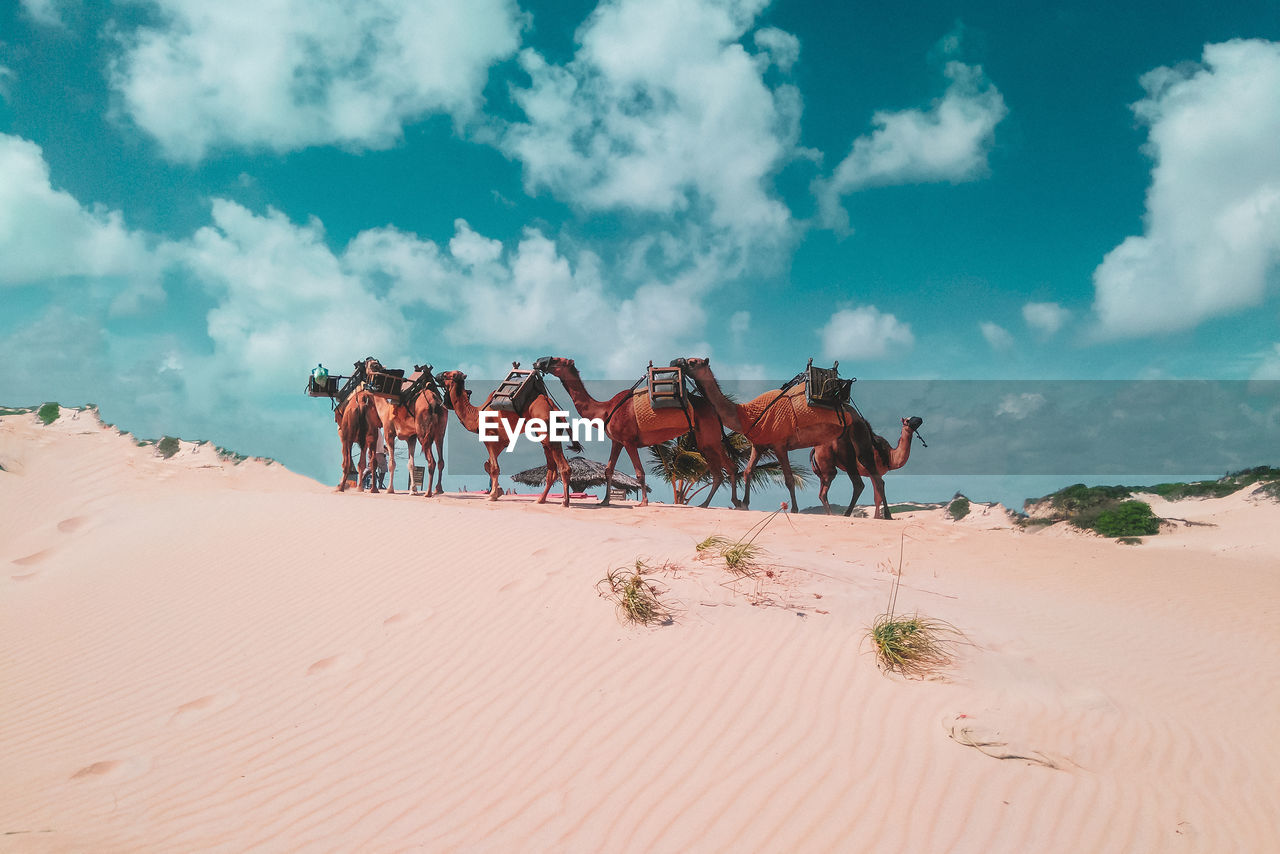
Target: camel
839	454
358	423
787	425
423	421
469	417
622	414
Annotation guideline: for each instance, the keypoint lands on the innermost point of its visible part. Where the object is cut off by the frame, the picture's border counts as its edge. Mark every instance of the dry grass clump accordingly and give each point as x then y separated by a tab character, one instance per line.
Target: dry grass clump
715	541
914	646
740	558
637	597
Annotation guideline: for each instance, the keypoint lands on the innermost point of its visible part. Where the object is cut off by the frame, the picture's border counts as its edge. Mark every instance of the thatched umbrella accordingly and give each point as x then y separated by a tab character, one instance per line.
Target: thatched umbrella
583	474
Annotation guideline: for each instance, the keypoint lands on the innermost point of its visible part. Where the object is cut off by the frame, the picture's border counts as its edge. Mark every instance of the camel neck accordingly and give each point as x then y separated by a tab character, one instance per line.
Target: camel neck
468	415
727	409
902	451
587	406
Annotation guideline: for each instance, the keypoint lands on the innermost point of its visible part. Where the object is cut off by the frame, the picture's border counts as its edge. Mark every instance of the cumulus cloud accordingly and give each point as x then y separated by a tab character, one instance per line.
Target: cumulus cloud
864	333
45	233
782	48
1045	317
663	111
997	336
48	12
286	74
1211	240
948	141
1020	406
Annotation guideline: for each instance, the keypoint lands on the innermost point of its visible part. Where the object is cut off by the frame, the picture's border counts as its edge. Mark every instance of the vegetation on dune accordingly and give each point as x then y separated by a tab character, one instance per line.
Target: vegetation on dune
637	597
14	410
741	556
1127	519
167	447
48	413
1113	512
958	508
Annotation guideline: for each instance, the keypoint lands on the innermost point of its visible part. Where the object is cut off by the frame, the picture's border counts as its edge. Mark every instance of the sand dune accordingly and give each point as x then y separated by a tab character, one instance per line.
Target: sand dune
202	656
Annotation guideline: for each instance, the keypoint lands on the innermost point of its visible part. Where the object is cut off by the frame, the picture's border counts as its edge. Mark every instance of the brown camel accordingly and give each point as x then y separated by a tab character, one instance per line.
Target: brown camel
622	415
785	425
358	423
839	454
469	417
424	420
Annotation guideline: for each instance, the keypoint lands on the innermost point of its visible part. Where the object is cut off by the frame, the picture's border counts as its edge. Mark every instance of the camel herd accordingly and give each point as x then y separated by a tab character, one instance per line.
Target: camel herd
777	421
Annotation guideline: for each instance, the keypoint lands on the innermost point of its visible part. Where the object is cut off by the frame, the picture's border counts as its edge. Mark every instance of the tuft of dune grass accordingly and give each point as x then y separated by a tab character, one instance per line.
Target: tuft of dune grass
740	558
715	541
913	646
637	597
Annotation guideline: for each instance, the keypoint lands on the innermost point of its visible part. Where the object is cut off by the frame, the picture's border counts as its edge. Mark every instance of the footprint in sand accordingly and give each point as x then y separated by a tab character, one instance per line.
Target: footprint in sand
113	769
964	729
406	618
336	663
33	558
189	713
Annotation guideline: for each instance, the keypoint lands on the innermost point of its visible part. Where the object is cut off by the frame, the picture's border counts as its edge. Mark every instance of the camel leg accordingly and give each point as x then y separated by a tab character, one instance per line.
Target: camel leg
858	486
717	465
824	481
634	453
882	503
788	476
492	468
347	466
562	465
391	462
608	469
440	459
746	477
553	472
429	463
409	444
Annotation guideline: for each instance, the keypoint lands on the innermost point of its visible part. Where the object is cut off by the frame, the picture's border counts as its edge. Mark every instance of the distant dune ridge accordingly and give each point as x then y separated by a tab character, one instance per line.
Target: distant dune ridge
201	655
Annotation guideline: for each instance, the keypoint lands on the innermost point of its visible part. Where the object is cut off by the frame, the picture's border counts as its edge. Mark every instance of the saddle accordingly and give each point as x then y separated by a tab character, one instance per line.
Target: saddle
666	388
328	389
517	391
385	383
824	388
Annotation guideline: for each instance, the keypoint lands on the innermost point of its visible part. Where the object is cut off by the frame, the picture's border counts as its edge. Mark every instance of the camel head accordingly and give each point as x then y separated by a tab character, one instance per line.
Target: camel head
450	378
913	423
551	364
691	364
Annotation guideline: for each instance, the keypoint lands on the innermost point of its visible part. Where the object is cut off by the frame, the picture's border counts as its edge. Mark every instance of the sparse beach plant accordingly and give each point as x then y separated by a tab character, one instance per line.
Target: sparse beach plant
913	646
715	541
958	508
167	447
48	413
740	558
637	597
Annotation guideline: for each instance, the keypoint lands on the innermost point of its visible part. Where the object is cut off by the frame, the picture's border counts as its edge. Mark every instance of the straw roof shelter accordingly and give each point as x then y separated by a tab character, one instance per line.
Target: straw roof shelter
583	474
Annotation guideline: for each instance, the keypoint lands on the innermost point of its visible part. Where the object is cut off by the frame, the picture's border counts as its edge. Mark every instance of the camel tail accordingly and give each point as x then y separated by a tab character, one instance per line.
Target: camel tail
575	446
813	459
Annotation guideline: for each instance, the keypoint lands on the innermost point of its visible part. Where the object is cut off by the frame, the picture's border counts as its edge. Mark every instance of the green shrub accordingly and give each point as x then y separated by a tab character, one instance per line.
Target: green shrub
958	508
49	413
1127	519
1078	497
1271	490
167	447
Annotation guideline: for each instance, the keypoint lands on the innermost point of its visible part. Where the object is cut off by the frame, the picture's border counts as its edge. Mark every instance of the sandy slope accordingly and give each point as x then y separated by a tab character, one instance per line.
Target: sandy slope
234	658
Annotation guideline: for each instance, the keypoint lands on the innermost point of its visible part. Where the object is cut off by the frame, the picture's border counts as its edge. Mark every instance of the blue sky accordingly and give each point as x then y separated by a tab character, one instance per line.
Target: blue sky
200	201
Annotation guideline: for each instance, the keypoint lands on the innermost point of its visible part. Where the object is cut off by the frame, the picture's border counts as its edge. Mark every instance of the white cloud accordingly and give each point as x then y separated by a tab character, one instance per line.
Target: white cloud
1020	406
1047	317
48	12
1268	367
948	141
1211	241
997	336
864	333
782	47
286	74
662	111
45	233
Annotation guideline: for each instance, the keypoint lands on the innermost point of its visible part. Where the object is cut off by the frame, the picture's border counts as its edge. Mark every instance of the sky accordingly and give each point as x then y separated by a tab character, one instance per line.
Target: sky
200	201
